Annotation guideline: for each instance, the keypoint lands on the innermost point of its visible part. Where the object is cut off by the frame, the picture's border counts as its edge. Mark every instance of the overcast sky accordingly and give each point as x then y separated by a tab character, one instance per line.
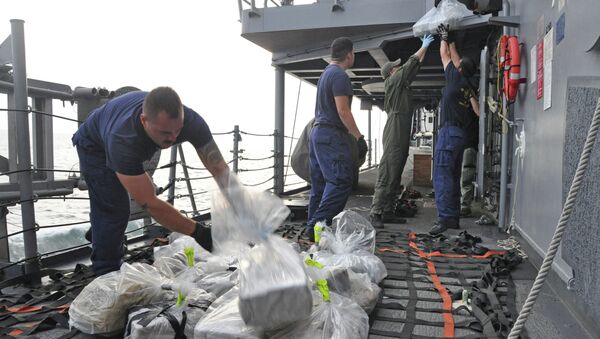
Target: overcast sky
193	46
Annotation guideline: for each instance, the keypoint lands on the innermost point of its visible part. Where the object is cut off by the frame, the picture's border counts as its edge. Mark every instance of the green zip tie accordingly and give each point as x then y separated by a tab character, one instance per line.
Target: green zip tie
189	253
324	289
313	263
180	299
318	229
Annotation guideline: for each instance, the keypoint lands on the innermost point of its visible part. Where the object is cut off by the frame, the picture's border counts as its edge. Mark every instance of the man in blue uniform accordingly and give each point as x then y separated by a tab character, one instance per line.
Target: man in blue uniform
457	96
330	153
113	143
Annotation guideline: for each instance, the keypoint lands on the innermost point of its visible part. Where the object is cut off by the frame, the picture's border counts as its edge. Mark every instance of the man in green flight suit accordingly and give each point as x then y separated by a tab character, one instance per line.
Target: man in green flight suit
396	133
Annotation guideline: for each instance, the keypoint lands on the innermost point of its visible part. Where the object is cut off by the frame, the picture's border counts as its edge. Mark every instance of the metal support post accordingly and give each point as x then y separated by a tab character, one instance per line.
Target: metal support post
483	93
4	251
236	151
369	133
12	140
279	129
504	149
376	152
43	148
172	173
24	154
188	183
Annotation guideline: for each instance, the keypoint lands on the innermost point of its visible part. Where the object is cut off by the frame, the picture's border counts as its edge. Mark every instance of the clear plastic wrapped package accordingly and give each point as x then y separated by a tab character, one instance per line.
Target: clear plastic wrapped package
168	320
223	320
448	12
241	217
102	305
274	289
359	262
333	317
349	232
344	281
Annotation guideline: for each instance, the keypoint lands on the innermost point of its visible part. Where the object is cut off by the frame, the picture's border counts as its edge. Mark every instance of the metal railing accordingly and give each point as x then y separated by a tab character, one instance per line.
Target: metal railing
33	261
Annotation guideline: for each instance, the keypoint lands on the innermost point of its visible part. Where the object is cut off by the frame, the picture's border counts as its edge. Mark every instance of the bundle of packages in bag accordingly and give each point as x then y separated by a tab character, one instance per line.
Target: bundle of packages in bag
169	320
102	305
359	262
223	320
274	289
344	281
448	12
333	317
350	243
349	232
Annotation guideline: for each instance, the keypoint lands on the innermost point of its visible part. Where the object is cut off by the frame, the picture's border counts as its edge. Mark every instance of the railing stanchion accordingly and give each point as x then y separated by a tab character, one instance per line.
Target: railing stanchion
187	181
236	139
172	172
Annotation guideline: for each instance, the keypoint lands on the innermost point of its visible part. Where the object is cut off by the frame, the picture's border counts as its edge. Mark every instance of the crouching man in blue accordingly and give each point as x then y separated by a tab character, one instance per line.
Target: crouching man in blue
457	96
331	166
113	143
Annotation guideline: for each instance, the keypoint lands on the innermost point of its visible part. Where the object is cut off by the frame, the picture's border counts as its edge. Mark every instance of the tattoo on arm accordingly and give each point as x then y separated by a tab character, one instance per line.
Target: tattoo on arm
211	153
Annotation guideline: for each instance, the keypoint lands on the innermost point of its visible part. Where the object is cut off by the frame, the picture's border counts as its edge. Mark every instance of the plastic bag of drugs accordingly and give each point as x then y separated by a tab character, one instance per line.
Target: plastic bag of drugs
241	217
358	261
223	320
102	305
333	317
274	288
448	12
169	320
349	232
344	281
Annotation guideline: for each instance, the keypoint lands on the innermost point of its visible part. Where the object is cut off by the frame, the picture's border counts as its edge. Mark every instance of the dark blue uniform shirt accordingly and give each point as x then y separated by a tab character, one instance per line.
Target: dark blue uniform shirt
114	131
455	105
333	82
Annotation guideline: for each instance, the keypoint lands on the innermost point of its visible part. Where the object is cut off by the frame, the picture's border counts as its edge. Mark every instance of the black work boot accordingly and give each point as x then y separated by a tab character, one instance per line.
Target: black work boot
465	211
390	217
88	235
376	220
439	228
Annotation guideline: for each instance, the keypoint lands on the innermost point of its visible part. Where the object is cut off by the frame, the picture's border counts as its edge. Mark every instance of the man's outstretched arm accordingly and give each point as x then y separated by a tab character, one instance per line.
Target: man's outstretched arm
142	191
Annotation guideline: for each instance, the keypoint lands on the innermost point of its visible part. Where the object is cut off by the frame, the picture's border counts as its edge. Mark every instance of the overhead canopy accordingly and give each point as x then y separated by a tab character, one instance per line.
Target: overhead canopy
299	37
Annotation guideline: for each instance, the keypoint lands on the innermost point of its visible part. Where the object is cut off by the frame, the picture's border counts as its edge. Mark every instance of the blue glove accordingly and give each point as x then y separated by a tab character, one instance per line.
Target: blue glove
427	40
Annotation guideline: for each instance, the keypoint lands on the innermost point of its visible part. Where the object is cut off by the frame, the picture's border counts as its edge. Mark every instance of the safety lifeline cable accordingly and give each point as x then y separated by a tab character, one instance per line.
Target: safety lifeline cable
562	225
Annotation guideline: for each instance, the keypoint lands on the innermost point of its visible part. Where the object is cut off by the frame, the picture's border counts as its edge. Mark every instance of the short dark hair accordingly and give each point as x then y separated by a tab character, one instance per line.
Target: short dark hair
468	67
340	47
162	99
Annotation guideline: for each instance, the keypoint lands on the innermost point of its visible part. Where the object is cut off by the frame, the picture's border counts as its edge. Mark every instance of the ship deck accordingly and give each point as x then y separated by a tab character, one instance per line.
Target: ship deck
551	317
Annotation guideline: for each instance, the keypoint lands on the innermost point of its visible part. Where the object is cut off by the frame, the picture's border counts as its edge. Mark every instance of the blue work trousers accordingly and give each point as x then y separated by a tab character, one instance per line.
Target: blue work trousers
109	212
447	162
330	174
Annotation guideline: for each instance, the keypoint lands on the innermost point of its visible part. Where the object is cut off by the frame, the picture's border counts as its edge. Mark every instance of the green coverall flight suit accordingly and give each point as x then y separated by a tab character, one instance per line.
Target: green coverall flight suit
396	135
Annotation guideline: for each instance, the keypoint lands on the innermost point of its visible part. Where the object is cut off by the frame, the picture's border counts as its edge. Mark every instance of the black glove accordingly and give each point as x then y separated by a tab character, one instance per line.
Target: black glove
203	236
362	147
443	30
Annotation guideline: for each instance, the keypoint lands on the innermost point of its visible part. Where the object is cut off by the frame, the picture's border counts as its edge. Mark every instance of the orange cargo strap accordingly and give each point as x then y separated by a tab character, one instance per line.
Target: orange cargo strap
443	292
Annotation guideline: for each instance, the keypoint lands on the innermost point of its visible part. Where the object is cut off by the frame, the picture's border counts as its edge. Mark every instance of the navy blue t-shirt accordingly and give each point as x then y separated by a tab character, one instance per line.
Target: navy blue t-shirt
455	105
114	131
334	82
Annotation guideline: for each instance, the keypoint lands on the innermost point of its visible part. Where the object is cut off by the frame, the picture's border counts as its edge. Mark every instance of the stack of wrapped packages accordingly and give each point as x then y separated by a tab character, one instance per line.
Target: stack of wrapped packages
253	285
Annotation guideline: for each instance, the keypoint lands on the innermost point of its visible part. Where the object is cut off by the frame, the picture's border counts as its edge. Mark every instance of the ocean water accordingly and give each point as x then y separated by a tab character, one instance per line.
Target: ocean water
59	211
